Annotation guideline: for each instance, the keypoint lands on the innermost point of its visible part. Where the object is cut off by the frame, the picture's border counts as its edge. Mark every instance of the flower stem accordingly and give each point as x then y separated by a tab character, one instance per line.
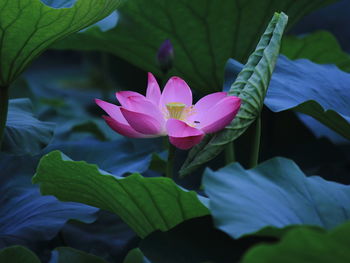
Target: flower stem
255	149
230	153
170	163
4	101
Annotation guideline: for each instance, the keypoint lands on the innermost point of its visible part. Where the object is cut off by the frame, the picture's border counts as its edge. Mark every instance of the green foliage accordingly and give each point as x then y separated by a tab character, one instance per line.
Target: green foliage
276	193
24	134
28	27
204	34
145	204
18	254
320	47
305	245
251	86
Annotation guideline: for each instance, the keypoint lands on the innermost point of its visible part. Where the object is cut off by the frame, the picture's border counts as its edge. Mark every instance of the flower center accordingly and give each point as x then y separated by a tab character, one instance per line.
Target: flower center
175	110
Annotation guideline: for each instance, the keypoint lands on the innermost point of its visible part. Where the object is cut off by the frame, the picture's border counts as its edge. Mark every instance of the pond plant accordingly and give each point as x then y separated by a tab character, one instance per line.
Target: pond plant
237	149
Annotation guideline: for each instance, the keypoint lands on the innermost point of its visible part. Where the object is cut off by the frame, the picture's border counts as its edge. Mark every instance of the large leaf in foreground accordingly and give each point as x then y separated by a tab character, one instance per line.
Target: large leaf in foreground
25	134
213	31
28	27
145	204
320	47
251	86
276	193
305	245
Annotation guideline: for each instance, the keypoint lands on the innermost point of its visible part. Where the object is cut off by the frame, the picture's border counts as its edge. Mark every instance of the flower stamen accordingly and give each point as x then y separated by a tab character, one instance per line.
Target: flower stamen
176	110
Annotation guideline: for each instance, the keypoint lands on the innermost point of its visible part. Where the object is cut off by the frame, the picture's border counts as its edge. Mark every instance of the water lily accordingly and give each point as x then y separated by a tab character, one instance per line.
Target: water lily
170	112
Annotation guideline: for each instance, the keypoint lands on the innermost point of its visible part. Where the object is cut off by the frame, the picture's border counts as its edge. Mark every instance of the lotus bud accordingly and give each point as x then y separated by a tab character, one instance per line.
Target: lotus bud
165	56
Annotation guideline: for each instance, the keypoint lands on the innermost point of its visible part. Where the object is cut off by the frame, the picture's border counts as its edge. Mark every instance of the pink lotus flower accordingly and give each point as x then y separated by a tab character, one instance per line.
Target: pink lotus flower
170	113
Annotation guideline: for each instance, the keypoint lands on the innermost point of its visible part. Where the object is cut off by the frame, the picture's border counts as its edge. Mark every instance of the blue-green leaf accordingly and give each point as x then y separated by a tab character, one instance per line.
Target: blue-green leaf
321	91
24	134
276	193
